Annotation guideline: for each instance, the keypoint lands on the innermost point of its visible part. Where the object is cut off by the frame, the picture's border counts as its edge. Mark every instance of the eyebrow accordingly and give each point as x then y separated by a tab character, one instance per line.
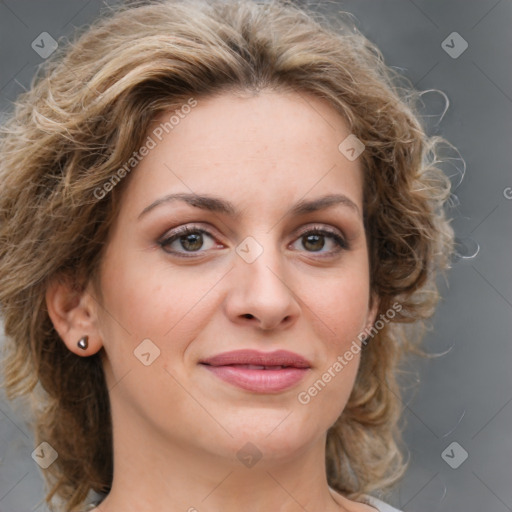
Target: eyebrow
218	205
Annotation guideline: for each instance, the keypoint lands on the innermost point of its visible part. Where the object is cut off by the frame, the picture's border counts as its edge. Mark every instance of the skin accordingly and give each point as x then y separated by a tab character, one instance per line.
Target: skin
177	427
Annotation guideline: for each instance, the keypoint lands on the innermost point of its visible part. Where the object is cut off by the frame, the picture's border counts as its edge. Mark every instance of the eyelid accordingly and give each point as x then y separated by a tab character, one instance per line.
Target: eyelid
320	227
184	229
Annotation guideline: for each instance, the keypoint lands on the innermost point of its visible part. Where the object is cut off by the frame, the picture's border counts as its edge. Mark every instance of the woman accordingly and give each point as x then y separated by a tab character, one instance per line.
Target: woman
217	219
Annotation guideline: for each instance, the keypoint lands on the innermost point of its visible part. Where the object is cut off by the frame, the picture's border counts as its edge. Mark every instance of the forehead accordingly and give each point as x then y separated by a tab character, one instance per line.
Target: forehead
244	117
271	145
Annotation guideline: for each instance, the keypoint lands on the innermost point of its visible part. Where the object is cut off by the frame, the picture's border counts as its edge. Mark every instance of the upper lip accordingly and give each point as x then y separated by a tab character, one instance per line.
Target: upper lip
254	357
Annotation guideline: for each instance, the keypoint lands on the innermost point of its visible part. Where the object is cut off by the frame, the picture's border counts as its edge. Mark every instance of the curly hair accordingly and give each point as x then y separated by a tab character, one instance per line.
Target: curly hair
88	109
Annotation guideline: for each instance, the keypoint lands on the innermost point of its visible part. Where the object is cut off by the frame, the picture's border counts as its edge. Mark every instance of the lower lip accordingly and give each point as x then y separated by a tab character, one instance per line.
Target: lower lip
261	381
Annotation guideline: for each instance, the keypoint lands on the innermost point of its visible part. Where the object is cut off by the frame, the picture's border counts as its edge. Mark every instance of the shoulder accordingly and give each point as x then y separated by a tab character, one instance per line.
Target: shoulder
380	505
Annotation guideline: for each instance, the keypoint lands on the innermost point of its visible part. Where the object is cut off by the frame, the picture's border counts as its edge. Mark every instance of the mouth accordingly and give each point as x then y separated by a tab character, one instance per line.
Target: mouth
260	372
256	366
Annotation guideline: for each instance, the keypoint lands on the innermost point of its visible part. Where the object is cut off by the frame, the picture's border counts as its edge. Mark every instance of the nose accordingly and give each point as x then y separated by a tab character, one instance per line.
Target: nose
261	294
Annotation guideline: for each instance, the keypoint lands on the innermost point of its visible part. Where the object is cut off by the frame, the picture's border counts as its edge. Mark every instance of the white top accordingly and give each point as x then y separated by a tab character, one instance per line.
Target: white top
379	504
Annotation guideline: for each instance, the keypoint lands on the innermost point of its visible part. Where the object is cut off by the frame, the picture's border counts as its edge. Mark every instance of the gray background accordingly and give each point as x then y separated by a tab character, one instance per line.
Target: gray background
464	396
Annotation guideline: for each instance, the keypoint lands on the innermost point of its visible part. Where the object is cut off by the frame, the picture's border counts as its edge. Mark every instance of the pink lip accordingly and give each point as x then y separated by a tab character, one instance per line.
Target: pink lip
237	368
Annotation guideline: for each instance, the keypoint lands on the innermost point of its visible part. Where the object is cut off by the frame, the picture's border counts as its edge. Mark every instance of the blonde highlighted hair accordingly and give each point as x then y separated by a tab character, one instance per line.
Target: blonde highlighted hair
89	109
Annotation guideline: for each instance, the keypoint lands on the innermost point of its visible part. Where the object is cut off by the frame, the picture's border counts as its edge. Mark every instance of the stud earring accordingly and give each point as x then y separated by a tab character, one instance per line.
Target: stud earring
83	342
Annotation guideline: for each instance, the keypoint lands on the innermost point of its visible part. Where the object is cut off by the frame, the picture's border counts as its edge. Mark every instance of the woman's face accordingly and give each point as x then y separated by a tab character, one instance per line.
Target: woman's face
252	275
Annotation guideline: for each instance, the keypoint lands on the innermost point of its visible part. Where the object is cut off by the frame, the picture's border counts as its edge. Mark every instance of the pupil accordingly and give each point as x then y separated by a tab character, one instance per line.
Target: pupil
316	239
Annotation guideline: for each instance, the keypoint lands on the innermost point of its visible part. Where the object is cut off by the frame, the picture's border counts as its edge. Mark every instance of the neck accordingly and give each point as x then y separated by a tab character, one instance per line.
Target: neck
154	474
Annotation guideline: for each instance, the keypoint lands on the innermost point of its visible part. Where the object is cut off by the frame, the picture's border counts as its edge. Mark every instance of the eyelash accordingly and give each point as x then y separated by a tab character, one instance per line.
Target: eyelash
180	232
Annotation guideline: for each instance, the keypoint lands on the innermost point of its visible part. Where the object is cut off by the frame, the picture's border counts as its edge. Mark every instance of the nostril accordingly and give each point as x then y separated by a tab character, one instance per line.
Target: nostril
248	315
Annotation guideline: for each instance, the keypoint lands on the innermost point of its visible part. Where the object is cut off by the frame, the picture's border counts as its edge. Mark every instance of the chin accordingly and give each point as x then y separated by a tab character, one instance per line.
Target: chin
277	434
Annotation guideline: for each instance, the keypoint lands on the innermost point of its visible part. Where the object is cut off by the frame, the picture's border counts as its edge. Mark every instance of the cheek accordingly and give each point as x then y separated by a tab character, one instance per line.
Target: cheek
157	301
340	303
339	309
134	292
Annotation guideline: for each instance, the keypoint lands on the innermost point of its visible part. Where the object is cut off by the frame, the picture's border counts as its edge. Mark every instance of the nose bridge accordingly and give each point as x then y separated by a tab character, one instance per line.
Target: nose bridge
261	265
260	288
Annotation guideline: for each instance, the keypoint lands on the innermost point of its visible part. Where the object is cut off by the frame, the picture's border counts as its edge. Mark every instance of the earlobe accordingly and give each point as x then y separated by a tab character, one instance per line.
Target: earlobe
73	315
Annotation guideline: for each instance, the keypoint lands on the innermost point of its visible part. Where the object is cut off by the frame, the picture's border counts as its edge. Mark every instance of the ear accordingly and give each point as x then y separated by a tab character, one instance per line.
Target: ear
372	311
74	315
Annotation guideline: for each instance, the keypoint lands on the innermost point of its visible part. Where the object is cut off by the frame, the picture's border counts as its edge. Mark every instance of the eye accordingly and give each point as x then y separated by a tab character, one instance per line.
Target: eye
195	241
316	239
188	239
